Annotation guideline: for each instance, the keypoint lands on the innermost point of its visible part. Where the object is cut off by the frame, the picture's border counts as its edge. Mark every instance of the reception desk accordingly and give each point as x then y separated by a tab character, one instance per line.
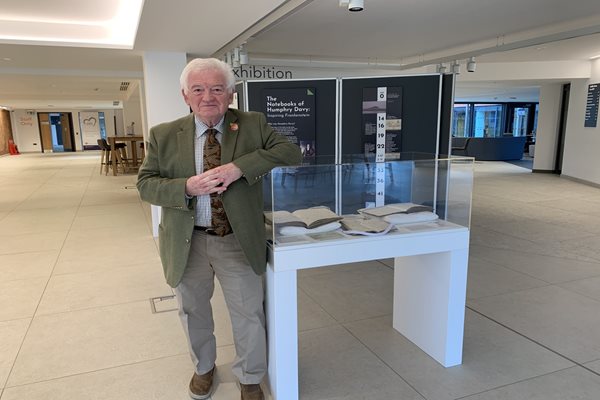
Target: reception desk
500	148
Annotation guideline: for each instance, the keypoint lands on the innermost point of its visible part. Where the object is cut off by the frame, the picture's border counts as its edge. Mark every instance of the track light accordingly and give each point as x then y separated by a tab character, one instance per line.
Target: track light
471	65
228	58
243	55
356	5
235	59
441	69
455	68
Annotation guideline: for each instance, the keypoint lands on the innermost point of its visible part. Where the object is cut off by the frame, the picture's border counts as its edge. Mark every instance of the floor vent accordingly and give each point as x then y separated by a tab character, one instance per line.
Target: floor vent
163	304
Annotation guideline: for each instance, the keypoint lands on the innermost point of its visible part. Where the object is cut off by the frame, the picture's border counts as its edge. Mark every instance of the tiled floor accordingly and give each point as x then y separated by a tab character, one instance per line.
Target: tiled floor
78	266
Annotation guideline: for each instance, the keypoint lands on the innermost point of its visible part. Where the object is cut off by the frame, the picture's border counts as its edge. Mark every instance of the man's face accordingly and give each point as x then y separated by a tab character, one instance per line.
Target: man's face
207	95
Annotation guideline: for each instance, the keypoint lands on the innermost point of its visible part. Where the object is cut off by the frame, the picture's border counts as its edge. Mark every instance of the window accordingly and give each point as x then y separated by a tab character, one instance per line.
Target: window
520	121
488	120
494	119
460	121
102	124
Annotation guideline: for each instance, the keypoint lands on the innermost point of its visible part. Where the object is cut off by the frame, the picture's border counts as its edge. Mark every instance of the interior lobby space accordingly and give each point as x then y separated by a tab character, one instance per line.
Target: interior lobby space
85	312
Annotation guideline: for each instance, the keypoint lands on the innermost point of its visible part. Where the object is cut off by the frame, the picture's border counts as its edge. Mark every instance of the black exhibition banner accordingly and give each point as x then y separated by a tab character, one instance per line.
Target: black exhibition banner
381	121
291	112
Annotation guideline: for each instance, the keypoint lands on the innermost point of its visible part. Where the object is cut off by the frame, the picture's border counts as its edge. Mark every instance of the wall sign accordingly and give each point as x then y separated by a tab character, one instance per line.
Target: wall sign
591	108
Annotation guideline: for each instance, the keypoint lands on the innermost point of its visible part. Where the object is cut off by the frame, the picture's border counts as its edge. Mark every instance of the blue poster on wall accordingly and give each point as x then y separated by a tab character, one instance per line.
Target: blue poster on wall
291	112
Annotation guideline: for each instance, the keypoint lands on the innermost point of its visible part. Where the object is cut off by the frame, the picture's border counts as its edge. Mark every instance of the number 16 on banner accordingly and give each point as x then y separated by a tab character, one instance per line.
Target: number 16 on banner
380	143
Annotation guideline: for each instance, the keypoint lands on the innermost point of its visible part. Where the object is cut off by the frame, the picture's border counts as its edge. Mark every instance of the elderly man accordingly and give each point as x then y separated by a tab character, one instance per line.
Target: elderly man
205	171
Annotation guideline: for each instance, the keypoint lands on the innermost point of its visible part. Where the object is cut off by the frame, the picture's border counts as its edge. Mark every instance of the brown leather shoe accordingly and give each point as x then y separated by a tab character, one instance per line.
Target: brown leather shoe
201	385
252	392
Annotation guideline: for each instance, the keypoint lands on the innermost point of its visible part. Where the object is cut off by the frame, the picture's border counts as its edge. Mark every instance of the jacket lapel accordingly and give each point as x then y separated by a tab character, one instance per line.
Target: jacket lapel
230	136
185	145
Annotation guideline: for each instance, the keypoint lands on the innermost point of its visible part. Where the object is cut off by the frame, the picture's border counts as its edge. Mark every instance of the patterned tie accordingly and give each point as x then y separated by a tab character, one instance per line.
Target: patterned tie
212	159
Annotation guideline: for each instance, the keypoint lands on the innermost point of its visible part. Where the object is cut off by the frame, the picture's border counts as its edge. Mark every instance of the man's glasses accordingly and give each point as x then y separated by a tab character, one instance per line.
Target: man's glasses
201	91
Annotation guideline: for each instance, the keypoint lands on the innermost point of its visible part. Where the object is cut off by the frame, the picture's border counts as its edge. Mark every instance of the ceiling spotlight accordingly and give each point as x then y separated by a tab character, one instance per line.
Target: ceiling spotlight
356	5
243	55
229	58
236	57
471	65
441	69
455	66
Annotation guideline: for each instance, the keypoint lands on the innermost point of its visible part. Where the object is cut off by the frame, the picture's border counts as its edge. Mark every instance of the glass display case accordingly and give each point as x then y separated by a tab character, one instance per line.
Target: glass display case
359	197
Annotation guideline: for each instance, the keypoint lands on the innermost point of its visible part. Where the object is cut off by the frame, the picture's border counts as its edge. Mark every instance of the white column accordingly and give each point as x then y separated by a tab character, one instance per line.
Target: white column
547	129
163	96
132	112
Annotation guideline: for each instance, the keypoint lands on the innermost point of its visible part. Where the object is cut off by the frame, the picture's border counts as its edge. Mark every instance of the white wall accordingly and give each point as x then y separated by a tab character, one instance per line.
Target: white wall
132	112
547	130
581	152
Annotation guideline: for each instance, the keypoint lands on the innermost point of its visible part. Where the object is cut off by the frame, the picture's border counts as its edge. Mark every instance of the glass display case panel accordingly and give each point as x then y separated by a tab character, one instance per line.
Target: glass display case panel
360	197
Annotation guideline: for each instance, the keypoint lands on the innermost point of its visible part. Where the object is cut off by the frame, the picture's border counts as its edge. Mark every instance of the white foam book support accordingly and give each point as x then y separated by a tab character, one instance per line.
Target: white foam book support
430	279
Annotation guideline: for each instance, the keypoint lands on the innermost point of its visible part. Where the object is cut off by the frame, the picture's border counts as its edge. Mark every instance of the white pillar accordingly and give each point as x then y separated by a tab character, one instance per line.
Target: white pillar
132	112
547	129
163	96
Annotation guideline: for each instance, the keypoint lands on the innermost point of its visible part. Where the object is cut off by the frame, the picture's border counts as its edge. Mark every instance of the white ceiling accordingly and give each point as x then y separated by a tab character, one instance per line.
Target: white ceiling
391	33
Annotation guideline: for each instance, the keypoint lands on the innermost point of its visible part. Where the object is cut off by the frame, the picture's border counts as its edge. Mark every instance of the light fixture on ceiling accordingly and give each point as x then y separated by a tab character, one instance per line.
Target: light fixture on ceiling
595	57
455	68
235	58
243	55
229	58
356	5
75	27
441	69
471	65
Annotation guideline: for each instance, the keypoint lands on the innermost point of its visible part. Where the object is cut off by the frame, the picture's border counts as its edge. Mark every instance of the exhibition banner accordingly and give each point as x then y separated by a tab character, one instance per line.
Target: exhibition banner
382	121
591	107
291	112
90	128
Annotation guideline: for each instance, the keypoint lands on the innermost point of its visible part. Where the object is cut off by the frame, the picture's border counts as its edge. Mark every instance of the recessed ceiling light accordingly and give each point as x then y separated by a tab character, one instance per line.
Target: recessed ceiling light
6	59
114	27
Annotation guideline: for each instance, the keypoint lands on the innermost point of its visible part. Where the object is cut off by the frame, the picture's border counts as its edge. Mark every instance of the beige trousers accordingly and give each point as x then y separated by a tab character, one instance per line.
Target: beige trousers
244	293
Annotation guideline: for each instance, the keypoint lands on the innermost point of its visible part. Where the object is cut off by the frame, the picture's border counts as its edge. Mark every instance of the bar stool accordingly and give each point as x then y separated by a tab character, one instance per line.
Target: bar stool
106	159
142	151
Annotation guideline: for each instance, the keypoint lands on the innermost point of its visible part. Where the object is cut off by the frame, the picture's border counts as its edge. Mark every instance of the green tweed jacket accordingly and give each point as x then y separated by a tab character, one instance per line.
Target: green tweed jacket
251	144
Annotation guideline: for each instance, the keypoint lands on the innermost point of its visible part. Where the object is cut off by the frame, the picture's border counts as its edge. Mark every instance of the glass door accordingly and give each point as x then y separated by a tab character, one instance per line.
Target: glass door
460	120
520	121
488	120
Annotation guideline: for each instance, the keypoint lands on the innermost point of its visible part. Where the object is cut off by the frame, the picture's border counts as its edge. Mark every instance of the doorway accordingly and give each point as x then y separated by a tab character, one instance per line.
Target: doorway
56	132
562	128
